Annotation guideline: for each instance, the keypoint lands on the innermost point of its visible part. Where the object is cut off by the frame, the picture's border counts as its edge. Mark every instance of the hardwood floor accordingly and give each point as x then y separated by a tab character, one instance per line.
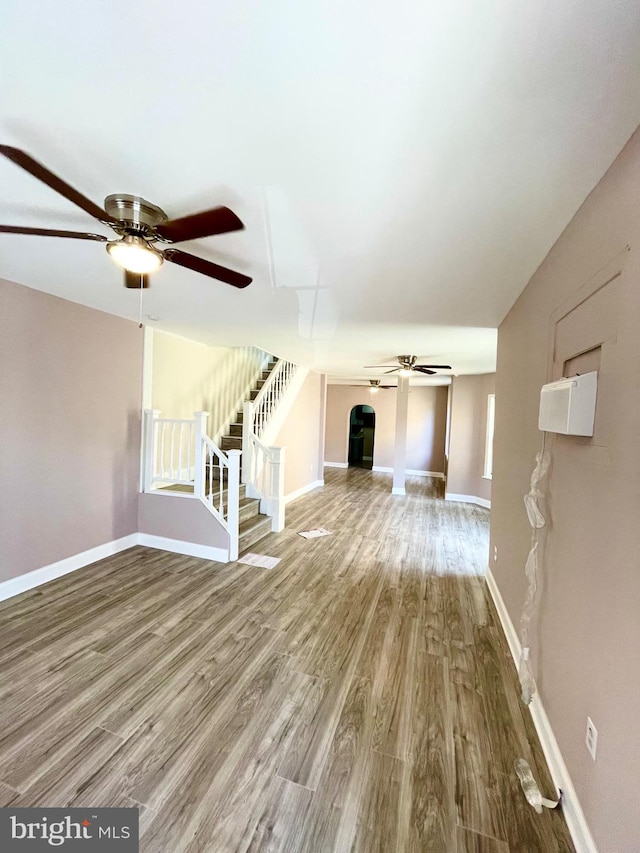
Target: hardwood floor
357	697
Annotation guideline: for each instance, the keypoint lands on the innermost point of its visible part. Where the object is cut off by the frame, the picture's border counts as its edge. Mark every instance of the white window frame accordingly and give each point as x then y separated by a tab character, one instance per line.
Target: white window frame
488	447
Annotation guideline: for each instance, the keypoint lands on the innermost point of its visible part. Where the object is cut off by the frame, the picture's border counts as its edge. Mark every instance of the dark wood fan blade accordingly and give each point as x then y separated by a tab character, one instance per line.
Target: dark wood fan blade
26	162
420	369
371	366
50	232
435	366
220	220
236	279
135	280
394	370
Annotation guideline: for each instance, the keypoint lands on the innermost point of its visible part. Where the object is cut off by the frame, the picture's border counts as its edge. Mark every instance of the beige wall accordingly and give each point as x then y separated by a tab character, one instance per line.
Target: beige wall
467	436
587	637
189	377
425	425
70	395
301	434
182	518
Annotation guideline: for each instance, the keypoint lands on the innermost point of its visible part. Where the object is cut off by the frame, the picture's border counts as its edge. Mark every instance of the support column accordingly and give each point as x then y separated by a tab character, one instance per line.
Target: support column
323	427
400	452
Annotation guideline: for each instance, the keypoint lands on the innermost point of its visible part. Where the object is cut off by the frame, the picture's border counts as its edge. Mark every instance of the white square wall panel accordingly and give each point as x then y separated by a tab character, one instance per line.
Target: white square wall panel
568	406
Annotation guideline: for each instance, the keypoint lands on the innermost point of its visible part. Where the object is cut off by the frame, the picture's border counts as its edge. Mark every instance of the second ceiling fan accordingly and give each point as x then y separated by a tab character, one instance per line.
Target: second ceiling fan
407	364
139	225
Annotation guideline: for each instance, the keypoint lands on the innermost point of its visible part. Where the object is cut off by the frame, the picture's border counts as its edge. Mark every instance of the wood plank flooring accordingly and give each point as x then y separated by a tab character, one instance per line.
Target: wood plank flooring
357	697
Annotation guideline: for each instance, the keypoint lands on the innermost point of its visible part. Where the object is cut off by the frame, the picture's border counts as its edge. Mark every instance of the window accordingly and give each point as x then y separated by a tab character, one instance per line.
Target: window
488	449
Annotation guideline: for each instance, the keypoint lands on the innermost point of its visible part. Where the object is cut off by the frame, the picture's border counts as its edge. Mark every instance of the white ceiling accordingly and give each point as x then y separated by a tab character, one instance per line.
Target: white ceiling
401	168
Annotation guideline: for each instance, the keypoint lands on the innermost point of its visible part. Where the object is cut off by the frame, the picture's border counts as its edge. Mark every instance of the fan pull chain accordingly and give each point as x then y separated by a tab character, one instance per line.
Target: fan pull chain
140	313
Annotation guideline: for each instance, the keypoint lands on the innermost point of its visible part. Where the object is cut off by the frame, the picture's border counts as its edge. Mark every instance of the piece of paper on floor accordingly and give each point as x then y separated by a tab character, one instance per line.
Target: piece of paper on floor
260	560
313	534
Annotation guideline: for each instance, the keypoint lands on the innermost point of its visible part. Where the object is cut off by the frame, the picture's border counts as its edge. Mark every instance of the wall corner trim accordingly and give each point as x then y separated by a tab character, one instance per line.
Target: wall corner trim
30	580
468	499
571	808
189	549
398	490
316	484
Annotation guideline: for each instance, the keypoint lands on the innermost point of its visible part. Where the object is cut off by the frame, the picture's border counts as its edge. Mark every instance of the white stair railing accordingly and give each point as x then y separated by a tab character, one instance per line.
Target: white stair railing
179	452
169	455
265	479
262	466
270	394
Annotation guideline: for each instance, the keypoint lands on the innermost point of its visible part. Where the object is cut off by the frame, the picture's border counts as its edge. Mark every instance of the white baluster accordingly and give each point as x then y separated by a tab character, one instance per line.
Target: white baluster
150	447
161	468
200	431
180	465
172	443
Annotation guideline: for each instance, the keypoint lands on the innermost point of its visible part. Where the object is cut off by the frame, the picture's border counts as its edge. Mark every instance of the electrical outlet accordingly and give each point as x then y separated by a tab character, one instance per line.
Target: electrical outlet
495	553
592	738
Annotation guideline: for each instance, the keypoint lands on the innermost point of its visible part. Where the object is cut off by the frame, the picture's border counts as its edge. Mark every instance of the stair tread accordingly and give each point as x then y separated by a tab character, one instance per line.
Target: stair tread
254	523
188	489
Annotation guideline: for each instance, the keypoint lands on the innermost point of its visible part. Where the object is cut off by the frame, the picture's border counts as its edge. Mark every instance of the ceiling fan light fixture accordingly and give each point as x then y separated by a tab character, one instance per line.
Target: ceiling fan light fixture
406	371
134	254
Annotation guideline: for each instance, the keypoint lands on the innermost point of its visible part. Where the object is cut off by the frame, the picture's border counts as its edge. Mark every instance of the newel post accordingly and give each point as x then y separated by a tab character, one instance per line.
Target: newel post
233	502
277	488
247	446
150	448
199	432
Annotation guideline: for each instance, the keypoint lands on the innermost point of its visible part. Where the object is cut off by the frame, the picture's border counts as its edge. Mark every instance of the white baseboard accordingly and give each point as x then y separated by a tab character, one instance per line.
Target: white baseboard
336	465
413	472
303	491
468	499
398	490
30	580
189	549
571	808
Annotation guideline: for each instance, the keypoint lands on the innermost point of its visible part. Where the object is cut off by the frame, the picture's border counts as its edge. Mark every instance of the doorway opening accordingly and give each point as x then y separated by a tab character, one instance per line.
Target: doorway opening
362	427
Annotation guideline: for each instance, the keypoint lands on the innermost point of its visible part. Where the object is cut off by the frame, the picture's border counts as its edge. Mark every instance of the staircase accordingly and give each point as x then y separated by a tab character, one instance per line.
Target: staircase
179	457
253	524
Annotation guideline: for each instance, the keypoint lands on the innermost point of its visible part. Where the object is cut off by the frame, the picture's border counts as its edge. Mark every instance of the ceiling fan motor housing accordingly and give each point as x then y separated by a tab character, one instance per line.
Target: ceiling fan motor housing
135	213
407	360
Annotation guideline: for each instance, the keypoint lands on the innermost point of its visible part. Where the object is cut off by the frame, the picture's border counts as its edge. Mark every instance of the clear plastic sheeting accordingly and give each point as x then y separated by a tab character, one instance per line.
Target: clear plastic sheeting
527	682
530	787
531	569
536	518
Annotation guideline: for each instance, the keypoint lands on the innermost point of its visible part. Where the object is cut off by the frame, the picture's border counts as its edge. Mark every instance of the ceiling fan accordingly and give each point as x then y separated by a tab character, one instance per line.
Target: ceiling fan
139	224
374	386
407	365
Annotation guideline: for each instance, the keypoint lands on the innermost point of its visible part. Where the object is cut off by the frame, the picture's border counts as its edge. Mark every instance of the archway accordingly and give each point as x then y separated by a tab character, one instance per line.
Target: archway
362	426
